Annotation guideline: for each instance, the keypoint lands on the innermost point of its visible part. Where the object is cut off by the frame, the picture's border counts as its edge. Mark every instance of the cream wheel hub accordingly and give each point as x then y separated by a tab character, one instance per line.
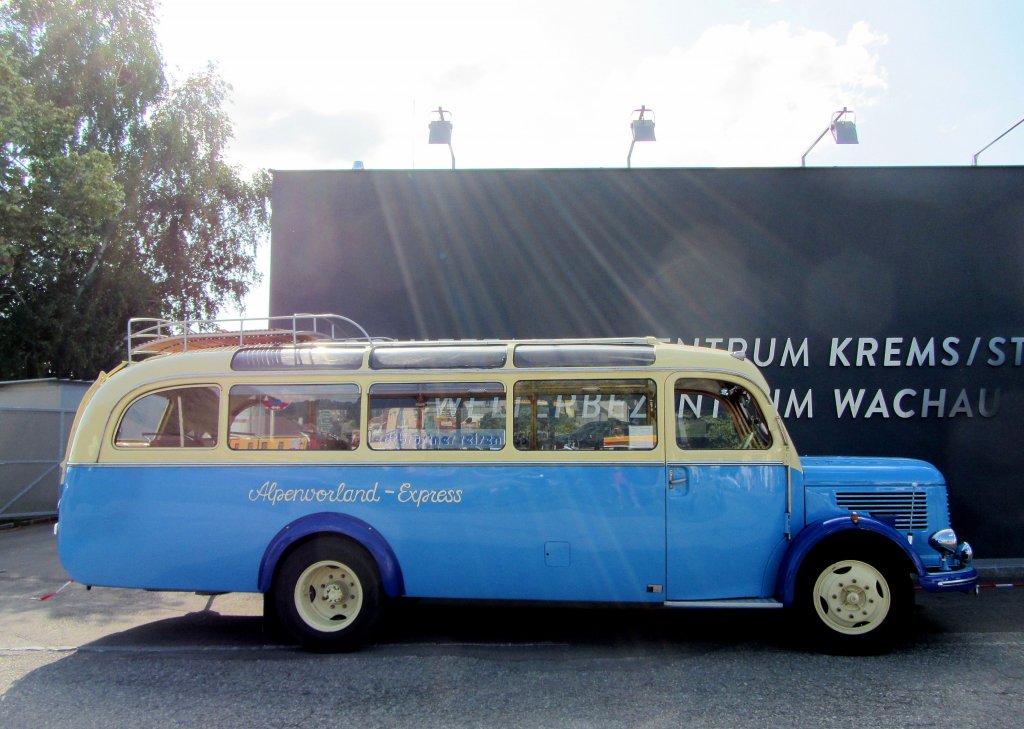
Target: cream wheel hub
852	597
328	596
333	593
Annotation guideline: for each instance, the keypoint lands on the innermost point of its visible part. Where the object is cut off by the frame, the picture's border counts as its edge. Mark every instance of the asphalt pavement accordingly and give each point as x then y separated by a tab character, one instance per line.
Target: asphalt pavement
114	657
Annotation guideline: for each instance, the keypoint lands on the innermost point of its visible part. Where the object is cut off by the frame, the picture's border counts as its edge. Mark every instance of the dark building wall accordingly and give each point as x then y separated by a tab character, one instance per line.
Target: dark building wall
885	305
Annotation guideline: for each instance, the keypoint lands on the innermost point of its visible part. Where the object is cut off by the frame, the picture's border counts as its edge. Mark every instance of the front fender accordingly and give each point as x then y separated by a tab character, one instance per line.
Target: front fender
341	524
814	533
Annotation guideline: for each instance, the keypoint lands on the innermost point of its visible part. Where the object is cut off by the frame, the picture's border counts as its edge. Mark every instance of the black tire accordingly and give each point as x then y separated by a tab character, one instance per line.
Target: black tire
272	630
853	601
327	594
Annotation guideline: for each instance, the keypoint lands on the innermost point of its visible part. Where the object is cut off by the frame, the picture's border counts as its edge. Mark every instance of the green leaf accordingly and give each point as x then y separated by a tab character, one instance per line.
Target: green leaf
115	199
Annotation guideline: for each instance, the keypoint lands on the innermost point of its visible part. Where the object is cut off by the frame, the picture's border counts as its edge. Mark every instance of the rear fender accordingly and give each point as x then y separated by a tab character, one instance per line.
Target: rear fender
815	533
327	524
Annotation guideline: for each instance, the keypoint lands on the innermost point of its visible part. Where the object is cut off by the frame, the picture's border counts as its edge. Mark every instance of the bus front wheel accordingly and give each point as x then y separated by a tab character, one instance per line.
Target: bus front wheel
854	604
327	594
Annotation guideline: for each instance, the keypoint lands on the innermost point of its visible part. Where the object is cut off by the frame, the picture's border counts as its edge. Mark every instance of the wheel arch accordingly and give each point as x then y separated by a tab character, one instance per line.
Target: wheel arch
338	525
863	532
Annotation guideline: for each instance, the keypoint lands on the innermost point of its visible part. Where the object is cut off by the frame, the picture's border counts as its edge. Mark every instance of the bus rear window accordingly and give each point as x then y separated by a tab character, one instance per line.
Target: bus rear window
184	417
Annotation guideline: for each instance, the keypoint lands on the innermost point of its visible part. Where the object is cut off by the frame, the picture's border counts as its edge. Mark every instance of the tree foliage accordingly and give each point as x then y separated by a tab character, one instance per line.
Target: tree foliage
115	198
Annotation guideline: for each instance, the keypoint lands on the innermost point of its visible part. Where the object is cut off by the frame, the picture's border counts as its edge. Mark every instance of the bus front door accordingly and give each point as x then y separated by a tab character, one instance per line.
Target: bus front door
725	493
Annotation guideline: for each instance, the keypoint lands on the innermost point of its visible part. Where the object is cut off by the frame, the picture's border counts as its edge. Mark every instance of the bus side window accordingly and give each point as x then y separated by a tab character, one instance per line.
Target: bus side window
449	416
293	417
184	417
718	415
585	415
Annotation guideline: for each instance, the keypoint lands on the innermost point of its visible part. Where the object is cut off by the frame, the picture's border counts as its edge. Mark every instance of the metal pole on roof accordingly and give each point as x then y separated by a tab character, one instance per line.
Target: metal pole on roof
974	161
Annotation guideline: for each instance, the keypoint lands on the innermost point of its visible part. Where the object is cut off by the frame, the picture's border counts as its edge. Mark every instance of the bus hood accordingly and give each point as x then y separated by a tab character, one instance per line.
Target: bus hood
868	472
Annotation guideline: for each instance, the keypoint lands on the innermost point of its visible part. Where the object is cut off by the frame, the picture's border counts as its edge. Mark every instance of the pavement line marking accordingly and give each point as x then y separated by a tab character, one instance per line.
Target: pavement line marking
143	649
253	648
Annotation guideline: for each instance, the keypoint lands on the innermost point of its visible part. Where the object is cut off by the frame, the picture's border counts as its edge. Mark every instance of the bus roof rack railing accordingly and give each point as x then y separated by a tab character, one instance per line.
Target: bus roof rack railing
148	336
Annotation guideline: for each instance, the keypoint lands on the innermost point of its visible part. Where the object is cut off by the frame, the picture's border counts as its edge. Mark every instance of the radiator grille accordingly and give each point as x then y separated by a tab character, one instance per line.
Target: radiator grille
910	509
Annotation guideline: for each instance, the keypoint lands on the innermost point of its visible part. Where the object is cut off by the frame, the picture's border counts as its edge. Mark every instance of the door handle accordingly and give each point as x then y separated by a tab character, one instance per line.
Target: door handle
673	481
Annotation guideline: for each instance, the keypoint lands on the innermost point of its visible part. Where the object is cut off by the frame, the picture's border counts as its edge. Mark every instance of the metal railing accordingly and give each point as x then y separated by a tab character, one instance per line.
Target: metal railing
151	336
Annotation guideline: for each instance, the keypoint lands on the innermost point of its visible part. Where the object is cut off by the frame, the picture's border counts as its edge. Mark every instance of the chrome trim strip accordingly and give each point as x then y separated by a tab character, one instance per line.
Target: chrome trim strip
371	464
755	603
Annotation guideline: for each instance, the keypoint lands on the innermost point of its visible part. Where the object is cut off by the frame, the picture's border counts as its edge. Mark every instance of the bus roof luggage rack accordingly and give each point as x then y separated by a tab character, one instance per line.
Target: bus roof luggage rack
148	336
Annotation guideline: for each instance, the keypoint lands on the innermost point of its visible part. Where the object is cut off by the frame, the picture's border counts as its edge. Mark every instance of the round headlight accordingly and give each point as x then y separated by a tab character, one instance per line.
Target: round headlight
944	540
964	553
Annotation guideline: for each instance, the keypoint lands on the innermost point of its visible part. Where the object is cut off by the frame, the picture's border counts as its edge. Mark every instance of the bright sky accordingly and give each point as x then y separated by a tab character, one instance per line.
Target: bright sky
319	84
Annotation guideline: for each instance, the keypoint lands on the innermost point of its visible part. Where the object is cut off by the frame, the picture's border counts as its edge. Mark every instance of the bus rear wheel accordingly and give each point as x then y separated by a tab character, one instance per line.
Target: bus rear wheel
327	594
854	605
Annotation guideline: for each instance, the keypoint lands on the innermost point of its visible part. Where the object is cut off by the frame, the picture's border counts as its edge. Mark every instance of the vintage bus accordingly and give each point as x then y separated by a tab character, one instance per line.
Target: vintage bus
335	474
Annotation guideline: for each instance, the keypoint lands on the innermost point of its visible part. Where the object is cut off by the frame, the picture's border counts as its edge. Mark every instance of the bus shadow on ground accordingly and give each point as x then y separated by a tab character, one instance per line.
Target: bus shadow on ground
439	623
200	630
411	623
430	622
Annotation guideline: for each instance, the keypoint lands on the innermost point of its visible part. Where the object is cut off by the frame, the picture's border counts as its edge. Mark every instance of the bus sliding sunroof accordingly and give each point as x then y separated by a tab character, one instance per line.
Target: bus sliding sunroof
298	357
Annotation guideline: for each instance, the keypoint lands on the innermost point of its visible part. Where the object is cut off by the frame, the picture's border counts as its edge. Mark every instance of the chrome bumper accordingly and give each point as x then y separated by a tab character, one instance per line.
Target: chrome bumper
959	580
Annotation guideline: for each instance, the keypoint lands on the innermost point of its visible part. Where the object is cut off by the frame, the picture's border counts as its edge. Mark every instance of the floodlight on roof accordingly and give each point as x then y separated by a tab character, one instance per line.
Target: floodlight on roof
844	130
642	127
441	132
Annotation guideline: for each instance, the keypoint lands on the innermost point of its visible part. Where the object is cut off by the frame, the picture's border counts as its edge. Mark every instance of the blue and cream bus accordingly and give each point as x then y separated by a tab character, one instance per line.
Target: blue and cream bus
333	475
